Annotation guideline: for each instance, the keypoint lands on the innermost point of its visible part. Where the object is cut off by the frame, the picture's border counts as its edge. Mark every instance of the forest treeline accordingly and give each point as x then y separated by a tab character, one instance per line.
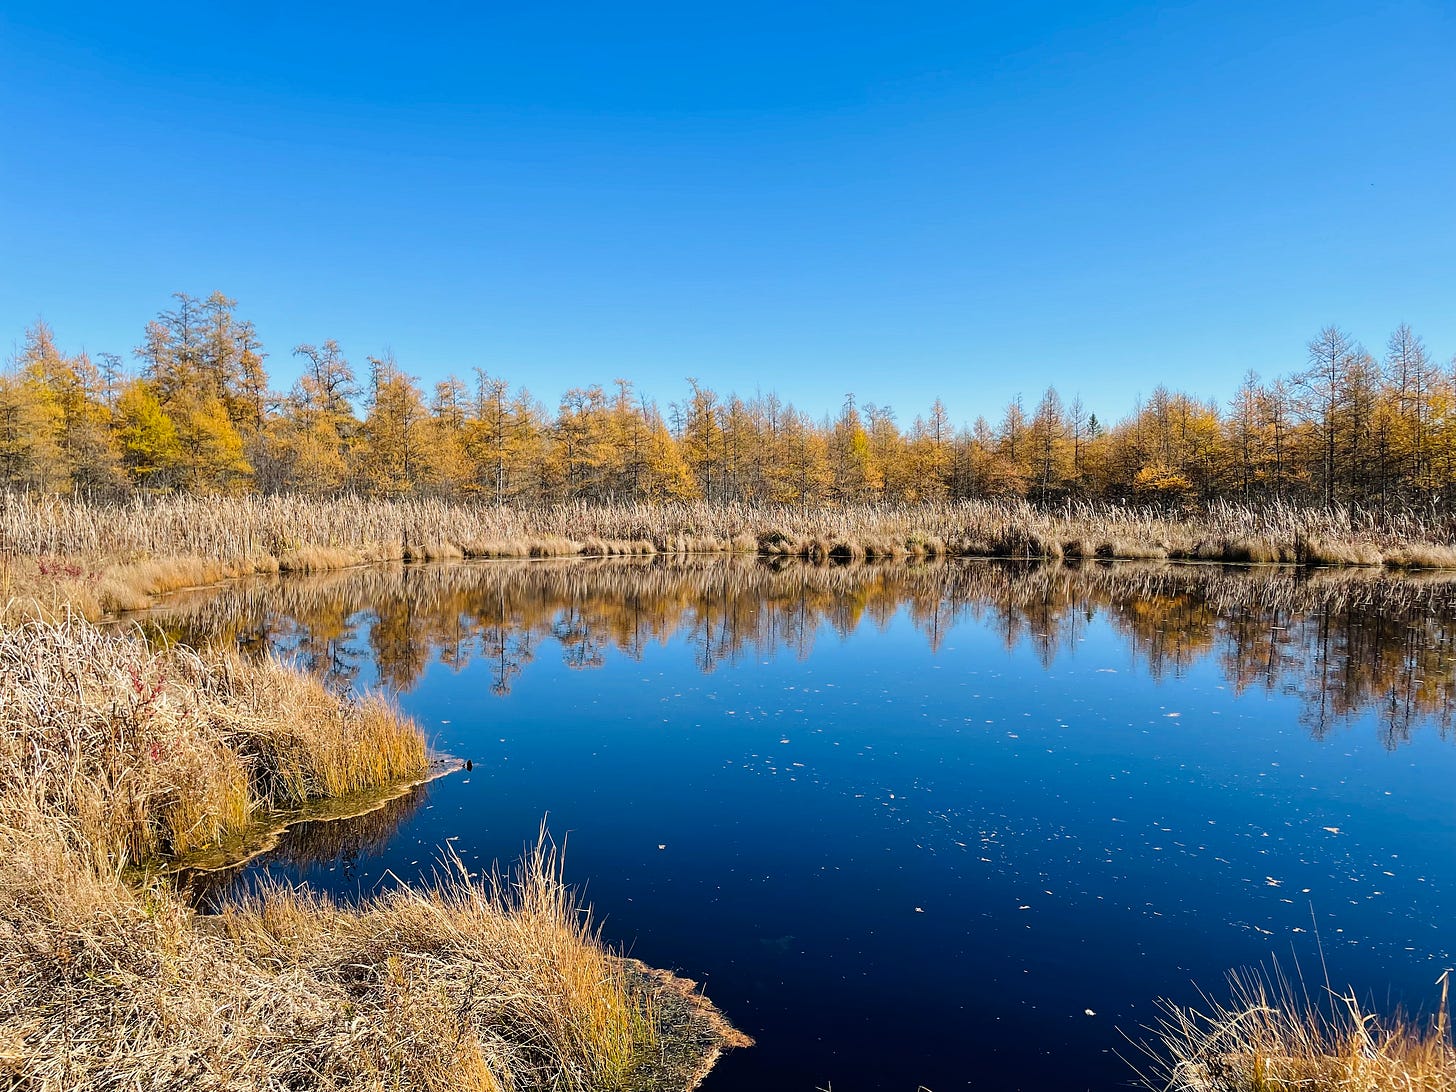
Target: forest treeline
195	410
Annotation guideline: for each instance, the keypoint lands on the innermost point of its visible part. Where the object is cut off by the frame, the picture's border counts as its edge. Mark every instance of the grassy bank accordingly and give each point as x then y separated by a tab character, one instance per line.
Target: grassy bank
104	558
114	759
151	755
1269	1035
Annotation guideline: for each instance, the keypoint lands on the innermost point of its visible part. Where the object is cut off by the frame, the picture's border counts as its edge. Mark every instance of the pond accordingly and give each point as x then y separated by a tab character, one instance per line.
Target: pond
955	825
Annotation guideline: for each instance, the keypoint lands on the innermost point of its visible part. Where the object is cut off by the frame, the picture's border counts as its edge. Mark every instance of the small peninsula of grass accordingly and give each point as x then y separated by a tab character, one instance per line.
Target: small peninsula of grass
116	760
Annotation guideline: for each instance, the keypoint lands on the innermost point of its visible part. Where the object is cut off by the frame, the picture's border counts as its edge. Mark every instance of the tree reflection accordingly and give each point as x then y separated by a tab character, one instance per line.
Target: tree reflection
1345	643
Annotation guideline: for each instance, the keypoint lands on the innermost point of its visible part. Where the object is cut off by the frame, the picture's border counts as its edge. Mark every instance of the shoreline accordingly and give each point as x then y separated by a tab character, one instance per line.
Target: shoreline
105	560
268	831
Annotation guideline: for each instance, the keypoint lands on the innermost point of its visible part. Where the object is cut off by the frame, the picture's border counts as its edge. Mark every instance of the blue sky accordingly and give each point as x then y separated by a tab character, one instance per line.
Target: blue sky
902	201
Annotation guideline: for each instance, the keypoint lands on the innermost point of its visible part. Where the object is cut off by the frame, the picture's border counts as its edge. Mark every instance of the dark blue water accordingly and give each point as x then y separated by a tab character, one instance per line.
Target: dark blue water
951	827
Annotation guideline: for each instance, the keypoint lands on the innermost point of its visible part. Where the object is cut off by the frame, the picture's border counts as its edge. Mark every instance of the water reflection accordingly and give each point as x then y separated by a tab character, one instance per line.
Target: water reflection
1346	643
336	846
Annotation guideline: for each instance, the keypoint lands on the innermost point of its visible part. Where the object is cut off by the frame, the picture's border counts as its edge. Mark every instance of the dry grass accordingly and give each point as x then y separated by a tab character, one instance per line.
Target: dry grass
511	963
113	557
1421	556
1270	1037
112	756
467	985
161	753
105	558
1321	550
51	588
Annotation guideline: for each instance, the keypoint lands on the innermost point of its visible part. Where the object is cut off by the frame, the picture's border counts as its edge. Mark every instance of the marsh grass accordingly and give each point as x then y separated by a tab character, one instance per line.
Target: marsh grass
509	962
499	984
160	753
104	557
1272	1036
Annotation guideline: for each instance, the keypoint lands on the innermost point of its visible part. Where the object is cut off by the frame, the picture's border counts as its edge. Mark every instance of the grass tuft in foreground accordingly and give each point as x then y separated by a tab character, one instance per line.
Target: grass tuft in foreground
500	985
1268	1037
510	957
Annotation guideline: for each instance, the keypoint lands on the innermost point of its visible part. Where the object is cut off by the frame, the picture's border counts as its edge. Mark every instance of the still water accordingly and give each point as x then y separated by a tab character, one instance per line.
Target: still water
952	825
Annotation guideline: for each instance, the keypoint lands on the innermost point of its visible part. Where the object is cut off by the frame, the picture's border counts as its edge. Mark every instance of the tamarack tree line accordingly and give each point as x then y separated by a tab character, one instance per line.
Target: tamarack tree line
195	411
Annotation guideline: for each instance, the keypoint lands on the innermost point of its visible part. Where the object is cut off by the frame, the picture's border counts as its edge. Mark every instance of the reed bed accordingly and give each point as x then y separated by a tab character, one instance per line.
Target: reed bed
1269	1036
114	757
110	557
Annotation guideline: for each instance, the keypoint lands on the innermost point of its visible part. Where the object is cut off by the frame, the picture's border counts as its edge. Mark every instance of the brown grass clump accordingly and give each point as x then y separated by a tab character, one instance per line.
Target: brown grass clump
50	588
433	551
552	546
315	558
508	963
1244	550
495	548
161	753
1268	1038
1421	556
613	547
1320	550
494	985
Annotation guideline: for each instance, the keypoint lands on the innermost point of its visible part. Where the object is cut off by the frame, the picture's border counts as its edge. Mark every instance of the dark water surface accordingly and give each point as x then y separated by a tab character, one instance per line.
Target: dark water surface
947	825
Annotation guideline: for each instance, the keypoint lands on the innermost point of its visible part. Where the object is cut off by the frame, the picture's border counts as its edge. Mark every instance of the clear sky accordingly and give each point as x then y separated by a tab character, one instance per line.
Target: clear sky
900	200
